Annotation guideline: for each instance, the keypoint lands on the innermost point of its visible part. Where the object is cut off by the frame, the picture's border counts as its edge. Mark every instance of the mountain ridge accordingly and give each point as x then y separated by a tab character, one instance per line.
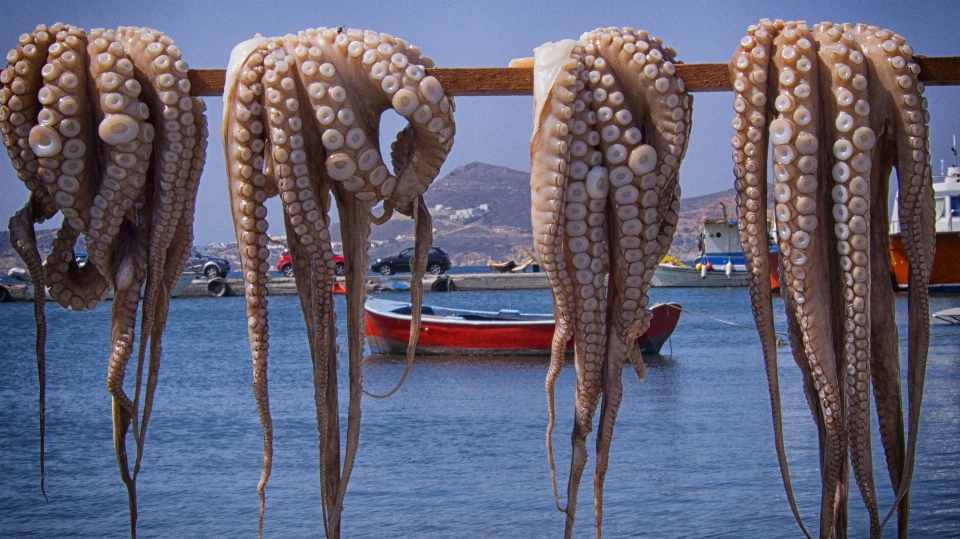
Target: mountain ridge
481	214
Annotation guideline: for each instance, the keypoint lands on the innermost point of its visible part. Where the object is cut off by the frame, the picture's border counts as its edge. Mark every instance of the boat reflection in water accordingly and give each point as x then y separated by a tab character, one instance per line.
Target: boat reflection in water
474	333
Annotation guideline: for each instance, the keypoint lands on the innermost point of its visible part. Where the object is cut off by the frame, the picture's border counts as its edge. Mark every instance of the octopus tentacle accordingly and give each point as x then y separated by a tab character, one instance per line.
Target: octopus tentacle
803	230
72	286
195	142
22	79
123	155
162	75
625	255
844	67
243	136
750	168
355	230
586	253
24	241
124	146
898	78
308	223
613	202
345	79
651	96
61	84
549	166
873	120
64	124
19	105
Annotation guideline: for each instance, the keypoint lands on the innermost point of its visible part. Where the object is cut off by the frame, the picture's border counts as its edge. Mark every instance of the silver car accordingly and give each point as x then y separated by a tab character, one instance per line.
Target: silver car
206	265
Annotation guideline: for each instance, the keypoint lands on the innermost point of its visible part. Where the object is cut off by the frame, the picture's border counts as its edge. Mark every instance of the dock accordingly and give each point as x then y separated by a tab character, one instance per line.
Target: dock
287	286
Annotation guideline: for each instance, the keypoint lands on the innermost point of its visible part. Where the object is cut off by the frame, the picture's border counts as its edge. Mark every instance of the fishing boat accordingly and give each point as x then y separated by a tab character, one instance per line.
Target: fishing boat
945	277
719	264
448	331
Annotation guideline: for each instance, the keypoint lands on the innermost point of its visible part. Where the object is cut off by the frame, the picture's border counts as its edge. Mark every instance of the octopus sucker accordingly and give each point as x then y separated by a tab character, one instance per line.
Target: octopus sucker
610	129
847	110
81	134
301	119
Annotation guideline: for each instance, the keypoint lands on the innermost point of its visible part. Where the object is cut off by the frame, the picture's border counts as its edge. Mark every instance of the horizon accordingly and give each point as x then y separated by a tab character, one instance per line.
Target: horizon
491	130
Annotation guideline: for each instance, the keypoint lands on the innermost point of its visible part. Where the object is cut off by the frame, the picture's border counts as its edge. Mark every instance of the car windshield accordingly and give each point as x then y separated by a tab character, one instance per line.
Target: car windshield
406	253
197	253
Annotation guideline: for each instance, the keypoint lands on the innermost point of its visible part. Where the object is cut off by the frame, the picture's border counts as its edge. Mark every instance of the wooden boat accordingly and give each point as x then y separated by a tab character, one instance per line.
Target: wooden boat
945	277
464	332
502	267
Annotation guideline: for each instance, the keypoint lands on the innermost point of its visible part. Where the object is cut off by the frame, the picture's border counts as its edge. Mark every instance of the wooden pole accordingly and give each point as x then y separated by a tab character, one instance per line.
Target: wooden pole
478	81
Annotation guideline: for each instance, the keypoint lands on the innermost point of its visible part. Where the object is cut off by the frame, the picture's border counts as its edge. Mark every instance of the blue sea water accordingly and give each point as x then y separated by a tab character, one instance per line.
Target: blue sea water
458	452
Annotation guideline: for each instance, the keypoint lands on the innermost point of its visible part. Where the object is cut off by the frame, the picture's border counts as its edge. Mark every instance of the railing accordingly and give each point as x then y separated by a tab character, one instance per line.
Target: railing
488	81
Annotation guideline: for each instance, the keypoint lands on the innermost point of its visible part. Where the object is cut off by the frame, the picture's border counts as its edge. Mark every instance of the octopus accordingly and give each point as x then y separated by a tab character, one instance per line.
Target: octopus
841	106
611	124
100	127
301	120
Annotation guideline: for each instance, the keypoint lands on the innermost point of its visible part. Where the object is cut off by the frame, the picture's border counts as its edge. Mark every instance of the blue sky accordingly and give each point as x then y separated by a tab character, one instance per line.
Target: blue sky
493	130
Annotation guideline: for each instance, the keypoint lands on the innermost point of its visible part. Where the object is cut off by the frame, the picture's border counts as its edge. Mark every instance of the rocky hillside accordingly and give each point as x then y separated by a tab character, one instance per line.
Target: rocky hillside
481	214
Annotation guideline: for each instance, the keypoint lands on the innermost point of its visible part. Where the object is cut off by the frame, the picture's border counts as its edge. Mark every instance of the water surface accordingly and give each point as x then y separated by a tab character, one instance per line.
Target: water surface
458	452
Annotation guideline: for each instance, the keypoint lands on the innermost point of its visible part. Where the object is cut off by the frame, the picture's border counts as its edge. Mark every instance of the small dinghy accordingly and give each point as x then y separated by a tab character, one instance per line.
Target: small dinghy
484	333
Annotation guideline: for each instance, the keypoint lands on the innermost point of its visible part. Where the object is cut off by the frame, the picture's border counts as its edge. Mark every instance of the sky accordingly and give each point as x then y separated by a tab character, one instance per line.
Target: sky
494	130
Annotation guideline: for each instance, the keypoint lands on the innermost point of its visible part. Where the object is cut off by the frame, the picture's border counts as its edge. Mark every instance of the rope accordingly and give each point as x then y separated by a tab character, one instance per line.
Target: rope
729	323
734	324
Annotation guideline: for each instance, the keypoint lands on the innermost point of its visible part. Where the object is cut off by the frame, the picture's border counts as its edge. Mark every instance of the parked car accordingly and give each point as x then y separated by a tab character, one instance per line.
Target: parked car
437	262
285	266
204	264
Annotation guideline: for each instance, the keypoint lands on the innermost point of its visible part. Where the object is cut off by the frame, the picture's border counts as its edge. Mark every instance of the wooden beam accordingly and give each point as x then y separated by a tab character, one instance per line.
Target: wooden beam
479	81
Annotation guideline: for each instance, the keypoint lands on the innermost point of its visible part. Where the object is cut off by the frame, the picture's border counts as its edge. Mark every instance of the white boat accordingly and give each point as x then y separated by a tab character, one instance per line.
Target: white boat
950	316
686	276
183	282
720	263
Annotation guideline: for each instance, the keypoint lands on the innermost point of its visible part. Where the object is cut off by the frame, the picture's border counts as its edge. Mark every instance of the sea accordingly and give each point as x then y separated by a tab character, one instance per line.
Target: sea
458	451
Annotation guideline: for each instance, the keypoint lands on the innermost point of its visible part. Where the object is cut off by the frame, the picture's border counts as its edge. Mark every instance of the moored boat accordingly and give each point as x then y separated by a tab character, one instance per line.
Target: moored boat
720	263
945	277
186	277
950	316
465	332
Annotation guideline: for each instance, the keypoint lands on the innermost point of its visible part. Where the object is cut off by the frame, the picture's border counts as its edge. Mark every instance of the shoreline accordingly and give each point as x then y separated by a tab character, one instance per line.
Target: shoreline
286	286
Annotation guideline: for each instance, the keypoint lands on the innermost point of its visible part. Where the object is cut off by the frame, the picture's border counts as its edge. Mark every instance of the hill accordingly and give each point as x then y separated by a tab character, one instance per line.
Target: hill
481	213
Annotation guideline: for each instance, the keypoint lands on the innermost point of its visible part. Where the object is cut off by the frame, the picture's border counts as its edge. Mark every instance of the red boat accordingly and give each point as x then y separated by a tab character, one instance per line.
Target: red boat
507	332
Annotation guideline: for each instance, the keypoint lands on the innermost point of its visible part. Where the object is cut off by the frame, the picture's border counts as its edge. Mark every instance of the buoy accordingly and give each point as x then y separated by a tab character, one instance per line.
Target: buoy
729	268
703	270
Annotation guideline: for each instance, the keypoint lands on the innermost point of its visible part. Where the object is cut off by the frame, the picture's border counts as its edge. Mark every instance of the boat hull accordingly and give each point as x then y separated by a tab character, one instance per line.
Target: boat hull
183	282
685	276
476	333
945	277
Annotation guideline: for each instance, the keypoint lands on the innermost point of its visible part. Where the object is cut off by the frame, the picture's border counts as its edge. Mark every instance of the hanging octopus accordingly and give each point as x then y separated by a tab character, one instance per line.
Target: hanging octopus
100	126
611	123
842	106
301	119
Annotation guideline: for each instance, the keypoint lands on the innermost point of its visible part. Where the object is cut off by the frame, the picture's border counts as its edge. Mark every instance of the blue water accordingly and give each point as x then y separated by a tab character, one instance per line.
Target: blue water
457	452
